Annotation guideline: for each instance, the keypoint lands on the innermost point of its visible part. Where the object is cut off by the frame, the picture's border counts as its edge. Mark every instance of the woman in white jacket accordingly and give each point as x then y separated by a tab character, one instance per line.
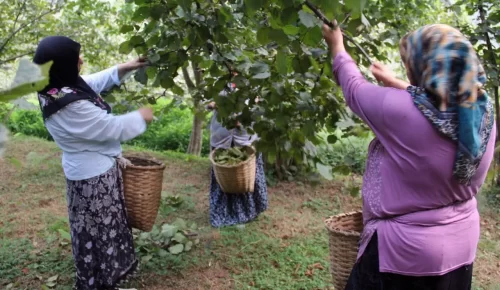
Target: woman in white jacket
82	125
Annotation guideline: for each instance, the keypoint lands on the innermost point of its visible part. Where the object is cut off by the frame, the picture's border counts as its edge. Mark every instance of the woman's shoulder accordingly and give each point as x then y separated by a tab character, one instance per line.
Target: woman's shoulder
82	109
398	102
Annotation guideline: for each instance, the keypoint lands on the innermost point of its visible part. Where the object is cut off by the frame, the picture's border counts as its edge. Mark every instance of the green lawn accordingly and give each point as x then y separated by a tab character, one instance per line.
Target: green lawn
285	248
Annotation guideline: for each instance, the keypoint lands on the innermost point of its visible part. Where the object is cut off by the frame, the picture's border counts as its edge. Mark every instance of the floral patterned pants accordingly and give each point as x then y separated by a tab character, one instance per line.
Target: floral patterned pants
102	242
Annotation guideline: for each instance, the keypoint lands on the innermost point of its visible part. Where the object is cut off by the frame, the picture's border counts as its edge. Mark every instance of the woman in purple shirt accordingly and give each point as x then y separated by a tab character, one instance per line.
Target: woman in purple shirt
433	147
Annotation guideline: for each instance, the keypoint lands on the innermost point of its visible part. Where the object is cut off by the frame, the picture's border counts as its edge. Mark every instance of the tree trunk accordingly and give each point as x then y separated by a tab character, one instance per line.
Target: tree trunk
196	139
494	65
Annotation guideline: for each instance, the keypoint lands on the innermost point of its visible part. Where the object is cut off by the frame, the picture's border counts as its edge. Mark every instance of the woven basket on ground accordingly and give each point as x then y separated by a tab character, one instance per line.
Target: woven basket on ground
142	183
344	232
236	179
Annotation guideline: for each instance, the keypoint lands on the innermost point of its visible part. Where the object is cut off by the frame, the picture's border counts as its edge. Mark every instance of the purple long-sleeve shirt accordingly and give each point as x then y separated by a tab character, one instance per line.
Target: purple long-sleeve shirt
409	175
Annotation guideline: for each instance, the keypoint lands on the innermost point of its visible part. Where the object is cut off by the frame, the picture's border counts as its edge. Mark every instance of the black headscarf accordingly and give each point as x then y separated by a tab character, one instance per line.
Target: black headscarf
65	84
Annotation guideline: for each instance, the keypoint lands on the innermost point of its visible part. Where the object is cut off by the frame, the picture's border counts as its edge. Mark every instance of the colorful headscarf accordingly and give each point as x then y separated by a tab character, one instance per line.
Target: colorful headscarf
447	87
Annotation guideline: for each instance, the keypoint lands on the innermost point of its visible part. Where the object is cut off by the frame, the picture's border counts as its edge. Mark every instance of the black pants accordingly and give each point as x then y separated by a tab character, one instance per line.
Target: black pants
366	276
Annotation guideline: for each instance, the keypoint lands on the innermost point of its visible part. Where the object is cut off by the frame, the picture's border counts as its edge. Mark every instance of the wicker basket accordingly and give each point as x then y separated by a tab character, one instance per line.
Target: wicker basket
142	187
236	179
344	233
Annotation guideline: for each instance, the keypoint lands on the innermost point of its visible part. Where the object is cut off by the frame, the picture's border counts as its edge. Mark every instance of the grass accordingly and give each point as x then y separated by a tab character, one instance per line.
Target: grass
285	248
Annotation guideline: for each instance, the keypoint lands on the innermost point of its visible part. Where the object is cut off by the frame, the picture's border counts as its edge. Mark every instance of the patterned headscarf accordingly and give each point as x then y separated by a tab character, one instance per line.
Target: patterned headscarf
447	87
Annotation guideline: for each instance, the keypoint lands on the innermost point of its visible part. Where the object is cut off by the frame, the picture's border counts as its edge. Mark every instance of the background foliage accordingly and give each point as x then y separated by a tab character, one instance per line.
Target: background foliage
275	46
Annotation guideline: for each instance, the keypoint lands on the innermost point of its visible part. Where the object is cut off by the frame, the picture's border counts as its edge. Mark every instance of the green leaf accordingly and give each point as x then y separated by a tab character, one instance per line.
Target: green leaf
313	36
29	78
53	278
279	36
125	48
261	76
141	76
263	35
324	170
188	246
176	249
355	6
136	40
307	19
291	30
282	63
168	230
332	139
259	67
177	90
178	237
253	5
141	14
146	259
154	58
162	253
152	101
151	72
180	224
289	15
126	28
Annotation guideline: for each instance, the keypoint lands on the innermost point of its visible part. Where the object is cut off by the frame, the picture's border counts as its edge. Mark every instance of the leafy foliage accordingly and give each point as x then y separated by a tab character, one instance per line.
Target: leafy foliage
348	155
89	22
28	122
277	50
231	156
171	131
484	33
168	239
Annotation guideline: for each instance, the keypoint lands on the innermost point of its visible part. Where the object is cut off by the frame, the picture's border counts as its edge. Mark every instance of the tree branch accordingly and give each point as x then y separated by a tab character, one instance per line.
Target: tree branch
21	9
187	78
9	38
16	57
197	74
323	18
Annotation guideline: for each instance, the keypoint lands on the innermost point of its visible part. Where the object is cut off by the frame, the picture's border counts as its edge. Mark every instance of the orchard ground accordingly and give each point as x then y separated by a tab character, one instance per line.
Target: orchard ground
285	248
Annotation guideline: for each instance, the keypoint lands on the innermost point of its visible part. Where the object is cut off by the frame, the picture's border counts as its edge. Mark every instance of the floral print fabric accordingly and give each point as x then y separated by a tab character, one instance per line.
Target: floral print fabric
232	209
102	242
56	99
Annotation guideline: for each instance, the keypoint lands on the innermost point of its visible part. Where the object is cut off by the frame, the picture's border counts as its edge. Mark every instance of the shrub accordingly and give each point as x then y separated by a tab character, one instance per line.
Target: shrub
351	151
171	132
28	122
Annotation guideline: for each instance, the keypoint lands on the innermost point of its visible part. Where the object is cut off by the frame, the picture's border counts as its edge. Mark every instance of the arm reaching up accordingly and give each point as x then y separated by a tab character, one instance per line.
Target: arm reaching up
384	75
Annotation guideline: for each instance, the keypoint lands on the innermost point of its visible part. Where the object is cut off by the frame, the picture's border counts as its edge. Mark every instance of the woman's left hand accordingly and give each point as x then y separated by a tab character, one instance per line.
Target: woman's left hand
137	63
334	39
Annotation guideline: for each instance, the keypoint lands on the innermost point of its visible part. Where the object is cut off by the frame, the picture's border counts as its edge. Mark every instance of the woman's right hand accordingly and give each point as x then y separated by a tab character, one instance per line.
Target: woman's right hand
147	114
211	106
385	76
382	73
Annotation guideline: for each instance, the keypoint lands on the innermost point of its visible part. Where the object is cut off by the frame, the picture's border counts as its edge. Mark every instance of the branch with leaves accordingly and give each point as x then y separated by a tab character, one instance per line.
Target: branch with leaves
332	25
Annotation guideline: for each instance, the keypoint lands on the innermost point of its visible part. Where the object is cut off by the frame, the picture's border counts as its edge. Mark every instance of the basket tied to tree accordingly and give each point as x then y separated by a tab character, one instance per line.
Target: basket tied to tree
344	231
142	181
238	178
